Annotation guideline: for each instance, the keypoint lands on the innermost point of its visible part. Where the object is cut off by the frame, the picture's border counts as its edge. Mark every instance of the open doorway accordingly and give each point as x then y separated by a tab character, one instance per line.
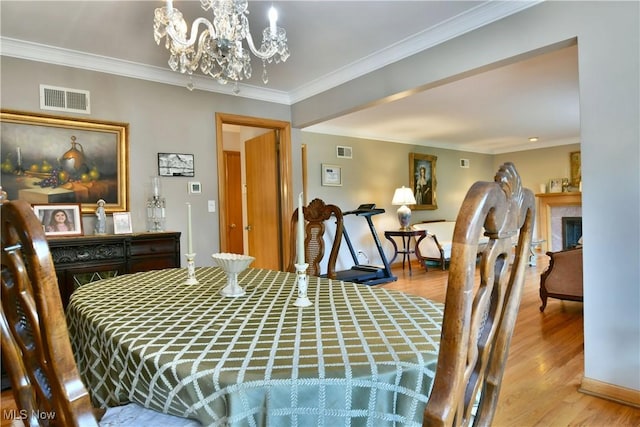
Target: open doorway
282	167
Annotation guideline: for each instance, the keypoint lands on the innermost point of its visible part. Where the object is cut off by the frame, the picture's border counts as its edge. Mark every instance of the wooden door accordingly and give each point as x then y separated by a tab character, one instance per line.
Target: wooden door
233	207
263	207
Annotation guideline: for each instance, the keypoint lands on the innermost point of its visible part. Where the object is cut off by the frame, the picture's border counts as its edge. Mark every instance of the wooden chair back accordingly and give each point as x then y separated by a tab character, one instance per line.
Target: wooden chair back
315	216
36	348
481	309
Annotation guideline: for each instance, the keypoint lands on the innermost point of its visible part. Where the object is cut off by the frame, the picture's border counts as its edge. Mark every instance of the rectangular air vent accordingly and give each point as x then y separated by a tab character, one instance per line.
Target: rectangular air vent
64	99
343	152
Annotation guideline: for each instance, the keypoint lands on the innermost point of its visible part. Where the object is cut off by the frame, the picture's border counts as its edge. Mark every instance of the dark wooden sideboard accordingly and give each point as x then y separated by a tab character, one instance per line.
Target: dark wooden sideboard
81	260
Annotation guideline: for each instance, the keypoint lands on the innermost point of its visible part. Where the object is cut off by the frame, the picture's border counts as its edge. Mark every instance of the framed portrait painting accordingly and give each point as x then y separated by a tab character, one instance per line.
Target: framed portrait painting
59	219
50	159
422	177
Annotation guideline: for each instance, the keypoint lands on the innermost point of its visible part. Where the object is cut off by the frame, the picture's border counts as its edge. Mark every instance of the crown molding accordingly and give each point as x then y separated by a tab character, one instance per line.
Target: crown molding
87	61
481	15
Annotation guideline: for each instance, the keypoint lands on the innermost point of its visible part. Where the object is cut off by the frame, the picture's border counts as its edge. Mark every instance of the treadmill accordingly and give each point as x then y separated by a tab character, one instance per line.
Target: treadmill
360	273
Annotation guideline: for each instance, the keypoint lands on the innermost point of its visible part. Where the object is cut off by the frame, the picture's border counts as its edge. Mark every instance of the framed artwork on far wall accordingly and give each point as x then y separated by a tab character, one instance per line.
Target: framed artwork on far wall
54	159
331	175
576	168
60	219
175	164
422	178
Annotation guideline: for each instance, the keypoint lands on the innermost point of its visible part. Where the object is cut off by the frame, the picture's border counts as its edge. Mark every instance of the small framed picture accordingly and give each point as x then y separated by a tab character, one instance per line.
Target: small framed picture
555	185
175	164
60	219
331	175
122	223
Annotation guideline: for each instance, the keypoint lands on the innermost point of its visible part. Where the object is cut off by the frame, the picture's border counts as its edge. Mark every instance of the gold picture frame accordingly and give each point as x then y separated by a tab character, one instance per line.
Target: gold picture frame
53	159
575	163
422	178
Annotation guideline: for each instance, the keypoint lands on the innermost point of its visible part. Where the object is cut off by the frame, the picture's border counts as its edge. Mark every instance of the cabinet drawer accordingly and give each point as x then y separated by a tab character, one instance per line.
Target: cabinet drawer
148	263
153	246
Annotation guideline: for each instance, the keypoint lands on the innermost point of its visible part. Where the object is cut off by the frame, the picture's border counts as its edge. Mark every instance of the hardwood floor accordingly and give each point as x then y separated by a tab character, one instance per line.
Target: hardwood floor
546	360
545	366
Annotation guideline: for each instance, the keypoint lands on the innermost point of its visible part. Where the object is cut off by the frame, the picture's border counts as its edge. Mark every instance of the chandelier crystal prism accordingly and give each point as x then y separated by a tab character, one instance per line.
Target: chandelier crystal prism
218	50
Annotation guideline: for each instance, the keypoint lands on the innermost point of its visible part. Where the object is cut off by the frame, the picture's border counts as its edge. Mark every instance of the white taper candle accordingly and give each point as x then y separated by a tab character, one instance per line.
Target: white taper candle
189	242
300	231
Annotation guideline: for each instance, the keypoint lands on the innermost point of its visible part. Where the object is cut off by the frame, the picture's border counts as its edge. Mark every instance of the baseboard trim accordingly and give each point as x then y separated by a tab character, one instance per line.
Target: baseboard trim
623	395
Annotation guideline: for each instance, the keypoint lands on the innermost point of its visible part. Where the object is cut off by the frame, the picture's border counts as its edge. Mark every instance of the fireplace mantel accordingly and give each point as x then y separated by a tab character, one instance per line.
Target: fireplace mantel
548	201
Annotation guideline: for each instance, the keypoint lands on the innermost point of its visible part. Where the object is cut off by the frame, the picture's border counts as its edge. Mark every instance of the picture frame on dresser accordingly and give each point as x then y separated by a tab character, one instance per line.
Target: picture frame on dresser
59	219
122	223
55	159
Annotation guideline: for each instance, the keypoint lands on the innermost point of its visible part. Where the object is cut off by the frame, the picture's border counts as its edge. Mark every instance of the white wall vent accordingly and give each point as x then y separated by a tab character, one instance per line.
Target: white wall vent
64	99
343	152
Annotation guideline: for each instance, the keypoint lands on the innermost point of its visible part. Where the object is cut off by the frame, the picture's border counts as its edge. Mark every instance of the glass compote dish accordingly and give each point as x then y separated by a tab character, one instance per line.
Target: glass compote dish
232	264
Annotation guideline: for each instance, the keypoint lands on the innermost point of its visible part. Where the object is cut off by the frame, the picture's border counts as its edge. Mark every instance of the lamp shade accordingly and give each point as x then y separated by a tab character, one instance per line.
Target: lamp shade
403	196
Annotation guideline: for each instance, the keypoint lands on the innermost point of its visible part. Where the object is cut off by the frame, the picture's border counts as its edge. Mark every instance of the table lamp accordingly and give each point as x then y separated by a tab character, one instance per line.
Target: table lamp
404	196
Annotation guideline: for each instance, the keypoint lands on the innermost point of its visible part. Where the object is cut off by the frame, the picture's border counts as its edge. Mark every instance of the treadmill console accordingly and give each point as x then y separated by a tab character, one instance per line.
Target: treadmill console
366	209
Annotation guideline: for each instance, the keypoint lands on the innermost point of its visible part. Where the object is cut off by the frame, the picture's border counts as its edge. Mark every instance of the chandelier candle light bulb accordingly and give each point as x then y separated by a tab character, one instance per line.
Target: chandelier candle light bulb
273	19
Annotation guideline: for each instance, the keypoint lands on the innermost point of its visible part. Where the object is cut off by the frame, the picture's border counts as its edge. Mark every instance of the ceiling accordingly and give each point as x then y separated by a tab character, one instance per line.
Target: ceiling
331	42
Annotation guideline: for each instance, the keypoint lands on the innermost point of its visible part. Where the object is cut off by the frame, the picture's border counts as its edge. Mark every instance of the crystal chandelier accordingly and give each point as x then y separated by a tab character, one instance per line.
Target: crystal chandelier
218	50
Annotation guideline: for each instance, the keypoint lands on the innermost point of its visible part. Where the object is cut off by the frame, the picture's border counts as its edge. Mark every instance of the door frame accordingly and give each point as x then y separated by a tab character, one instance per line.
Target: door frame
284	166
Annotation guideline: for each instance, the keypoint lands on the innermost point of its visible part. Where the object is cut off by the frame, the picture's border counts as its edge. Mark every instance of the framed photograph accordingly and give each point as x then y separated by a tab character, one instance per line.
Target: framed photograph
122	223
422	178
576	168
555	185
331	175
175	164
50	159
60	219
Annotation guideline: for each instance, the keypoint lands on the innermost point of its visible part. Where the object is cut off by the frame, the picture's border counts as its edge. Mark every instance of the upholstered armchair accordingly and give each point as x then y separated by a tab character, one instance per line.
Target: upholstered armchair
563	278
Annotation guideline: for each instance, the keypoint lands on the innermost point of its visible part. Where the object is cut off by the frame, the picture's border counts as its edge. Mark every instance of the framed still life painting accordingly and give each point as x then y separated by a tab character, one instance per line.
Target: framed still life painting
50	159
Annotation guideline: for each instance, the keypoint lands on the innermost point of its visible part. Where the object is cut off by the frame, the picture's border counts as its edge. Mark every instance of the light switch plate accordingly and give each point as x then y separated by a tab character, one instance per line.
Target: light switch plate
211	205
